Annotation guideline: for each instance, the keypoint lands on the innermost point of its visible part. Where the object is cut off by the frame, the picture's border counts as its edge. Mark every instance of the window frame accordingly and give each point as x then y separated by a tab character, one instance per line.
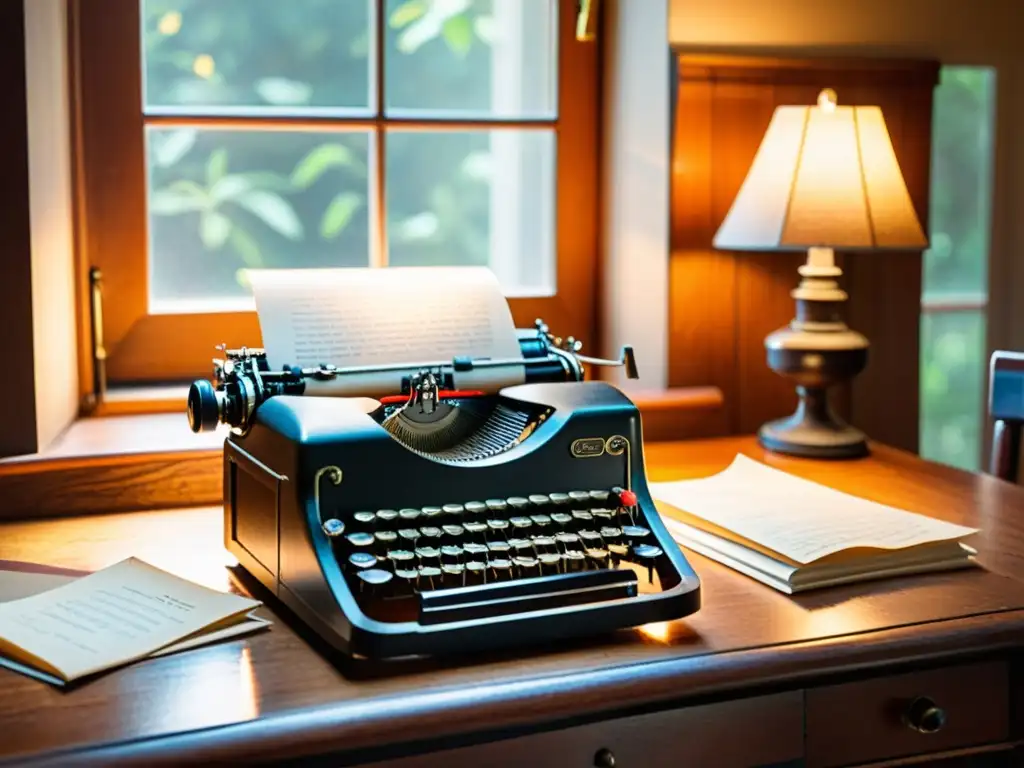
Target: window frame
111	191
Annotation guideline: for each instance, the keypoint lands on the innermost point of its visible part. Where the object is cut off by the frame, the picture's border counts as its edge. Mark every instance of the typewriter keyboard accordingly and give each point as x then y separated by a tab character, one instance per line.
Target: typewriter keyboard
543	549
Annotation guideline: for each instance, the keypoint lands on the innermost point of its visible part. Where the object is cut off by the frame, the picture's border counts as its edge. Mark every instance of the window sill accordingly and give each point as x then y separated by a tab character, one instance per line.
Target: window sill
141	461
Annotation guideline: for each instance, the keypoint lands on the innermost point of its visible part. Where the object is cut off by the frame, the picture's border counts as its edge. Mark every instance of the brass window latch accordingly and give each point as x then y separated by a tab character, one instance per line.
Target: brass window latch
99	353
586	19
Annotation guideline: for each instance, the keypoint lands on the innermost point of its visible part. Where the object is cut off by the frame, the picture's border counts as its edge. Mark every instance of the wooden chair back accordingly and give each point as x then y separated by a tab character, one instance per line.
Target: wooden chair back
1006	409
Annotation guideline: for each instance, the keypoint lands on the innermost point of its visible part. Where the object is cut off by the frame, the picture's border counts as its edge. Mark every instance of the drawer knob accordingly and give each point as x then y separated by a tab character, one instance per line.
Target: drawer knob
924	715
604	758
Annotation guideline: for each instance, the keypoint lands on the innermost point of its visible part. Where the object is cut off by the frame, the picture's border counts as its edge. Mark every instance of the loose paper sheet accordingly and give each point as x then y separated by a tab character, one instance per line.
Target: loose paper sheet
125	612
357	317
799	519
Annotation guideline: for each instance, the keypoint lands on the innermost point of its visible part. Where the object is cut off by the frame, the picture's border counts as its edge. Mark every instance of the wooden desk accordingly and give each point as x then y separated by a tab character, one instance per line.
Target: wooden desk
754	678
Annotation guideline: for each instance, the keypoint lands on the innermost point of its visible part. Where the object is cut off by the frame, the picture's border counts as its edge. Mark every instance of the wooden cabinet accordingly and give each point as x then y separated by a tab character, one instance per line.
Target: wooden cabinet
946	710
937	710
756	731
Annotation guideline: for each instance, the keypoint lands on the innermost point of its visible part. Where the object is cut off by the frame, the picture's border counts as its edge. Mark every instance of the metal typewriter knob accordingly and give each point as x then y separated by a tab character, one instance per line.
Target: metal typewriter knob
604	758
203	406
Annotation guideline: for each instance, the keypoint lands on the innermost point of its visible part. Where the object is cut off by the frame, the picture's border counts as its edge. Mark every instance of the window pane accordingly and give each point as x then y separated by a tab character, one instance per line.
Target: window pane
952	383
961	200
286	55
488	58
474	197
221	201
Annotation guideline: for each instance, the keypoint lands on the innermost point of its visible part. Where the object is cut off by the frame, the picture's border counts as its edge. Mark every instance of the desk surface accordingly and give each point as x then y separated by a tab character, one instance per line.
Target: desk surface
272	694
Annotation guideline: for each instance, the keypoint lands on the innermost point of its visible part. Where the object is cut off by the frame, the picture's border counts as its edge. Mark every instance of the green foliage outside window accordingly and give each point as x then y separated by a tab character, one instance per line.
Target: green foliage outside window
953	347
225	199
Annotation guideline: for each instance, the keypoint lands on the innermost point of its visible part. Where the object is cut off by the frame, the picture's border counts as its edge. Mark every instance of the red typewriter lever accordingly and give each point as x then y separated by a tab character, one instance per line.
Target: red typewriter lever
443	394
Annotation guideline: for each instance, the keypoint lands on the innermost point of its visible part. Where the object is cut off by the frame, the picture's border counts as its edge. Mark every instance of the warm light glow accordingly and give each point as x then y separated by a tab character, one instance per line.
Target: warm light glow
827	100
660	631
170	23
823	177
204	66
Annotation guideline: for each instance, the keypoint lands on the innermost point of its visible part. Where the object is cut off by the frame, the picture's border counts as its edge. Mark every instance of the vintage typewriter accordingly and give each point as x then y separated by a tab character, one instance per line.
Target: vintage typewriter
435	515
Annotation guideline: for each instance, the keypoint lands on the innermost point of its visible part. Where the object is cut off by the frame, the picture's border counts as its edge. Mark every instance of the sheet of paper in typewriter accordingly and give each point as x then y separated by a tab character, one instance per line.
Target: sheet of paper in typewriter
360	317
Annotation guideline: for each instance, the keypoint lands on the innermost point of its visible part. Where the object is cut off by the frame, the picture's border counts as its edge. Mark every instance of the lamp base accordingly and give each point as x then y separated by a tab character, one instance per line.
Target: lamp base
813	431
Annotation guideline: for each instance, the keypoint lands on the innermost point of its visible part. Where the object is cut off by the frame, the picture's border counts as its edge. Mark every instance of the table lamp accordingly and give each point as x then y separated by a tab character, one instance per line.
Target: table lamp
824	177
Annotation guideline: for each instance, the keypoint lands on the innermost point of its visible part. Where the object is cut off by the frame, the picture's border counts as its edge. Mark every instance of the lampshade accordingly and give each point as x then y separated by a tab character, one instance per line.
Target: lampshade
824	176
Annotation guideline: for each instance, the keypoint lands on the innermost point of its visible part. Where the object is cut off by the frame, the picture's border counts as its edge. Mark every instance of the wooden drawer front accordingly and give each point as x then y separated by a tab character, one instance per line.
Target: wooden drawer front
863	721
747	732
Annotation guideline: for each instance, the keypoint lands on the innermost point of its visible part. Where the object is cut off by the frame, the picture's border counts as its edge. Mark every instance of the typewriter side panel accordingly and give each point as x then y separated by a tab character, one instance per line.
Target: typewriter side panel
251	496
271	527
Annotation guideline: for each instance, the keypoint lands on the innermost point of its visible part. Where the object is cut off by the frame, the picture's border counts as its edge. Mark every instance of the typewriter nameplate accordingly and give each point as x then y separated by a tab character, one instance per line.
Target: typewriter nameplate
587	446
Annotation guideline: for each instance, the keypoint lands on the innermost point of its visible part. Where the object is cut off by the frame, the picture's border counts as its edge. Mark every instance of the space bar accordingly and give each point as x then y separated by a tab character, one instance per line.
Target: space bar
543	593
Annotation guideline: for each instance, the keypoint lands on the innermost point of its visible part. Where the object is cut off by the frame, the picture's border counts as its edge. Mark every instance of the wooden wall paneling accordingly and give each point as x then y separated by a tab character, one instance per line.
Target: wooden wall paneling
19	406
701	281
720	315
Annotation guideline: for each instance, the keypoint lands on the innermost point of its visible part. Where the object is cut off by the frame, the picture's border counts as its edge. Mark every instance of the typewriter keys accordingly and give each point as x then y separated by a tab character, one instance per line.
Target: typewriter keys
407	577
550	563
360	540
333	528
590	538
528	567
561	518
430	577
632	532
362	560
409	535
453	531
475	550
385	541
475	573
474	507
499	547
364	519
428	555
647	554
430	533
391	558
573	561
451	553
387	515
374	578
451	574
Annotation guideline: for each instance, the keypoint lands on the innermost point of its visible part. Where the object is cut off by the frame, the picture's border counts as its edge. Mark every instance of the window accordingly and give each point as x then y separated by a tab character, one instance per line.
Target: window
953	318
312	133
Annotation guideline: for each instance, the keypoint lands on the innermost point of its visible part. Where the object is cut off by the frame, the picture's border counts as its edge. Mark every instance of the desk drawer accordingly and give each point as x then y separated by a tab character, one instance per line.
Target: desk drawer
747	732
869	720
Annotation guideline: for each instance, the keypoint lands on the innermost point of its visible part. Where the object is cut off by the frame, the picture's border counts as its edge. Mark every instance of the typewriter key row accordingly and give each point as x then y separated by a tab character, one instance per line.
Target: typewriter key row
402	574
429	567
534	507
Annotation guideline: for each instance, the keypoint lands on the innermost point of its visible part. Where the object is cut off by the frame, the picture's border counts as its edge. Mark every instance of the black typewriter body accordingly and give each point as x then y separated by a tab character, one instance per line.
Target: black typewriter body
473	544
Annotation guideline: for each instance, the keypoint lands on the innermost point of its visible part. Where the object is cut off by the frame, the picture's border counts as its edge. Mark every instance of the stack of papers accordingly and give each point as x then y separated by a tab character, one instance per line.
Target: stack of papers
60	628
796	535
